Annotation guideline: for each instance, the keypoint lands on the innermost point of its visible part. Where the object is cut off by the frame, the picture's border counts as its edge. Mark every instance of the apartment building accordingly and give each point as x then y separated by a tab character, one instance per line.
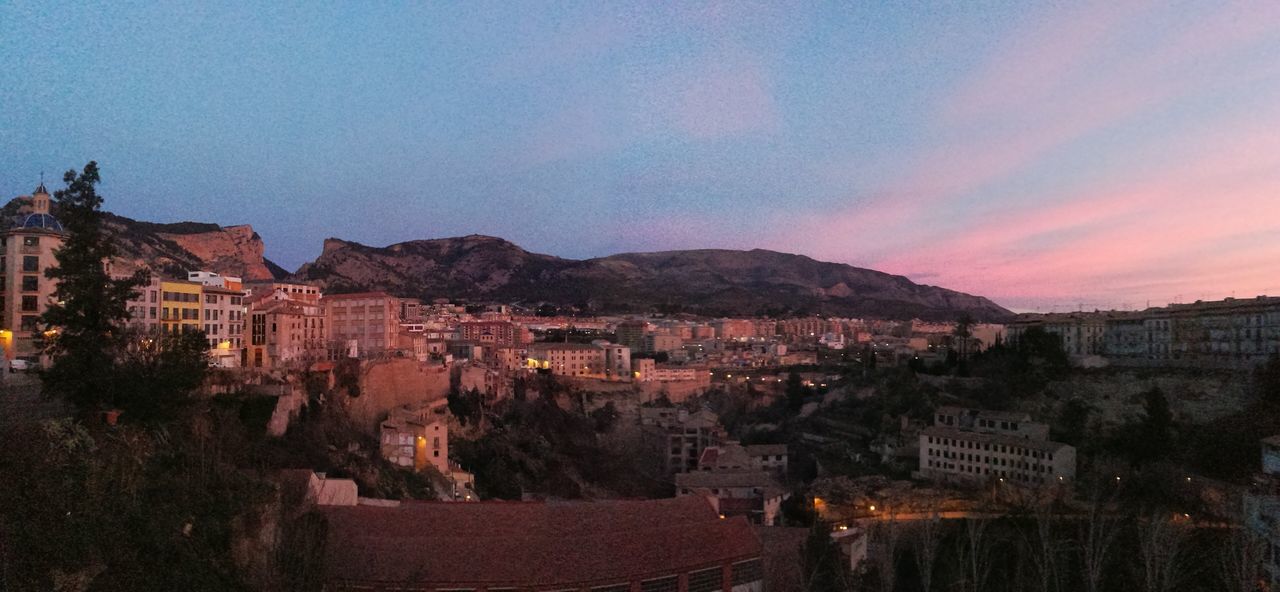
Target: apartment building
27	244
180	306
369	320
732	456
416	438
682	435
1229	333
283	331
970	446
631	334
144	307
495	334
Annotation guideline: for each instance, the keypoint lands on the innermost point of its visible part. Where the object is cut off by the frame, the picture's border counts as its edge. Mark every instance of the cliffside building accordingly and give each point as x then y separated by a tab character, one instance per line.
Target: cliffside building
970	446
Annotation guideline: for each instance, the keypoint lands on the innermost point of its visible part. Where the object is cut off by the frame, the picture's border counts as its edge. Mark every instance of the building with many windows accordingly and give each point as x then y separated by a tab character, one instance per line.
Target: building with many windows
282	332
370	320
971	446
27	246
180	306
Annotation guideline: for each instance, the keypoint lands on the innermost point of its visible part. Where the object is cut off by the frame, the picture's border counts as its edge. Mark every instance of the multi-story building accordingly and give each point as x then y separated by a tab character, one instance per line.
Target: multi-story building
734	329
283	331
681	435
416	438
971	446
631	334
1229	333
180	306
495	334
662	343
222	316
370	320
27	245
144	307
588	360
755	495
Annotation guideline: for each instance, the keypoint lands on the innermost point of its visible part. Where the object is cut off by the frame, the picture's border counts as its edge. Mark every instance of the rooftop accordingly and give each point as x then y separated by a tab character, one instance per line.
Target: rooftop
530	544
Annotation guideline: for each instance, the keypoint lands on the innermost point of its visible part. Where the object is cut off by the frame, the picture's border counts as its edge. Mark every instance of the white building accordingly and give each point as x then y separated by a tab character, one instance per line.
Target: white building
971	446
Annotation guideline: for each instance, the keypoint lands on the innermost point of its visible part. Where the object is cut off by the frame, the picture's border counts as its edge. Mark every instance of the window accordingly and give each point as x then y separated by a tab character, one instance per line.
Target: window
30	283
667	584
29	322
746	572
707	580
30	241
30	263
30	303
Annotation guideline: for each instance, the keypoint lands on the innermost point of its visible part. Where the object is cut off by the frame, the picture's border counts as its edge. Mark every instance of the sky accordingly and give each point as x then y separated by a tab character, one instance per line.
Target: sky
1050	156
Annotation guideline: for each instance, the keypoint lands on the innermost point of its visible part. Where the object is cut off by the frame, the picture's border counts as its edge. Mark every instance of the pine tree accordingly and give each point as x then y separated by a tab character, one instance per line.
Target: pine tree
90	306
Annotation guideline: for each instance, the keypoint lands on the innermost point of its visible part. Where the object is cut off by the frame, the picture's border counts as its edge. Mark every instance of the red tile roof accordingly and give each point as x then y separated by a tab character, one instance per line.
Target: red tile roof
530	544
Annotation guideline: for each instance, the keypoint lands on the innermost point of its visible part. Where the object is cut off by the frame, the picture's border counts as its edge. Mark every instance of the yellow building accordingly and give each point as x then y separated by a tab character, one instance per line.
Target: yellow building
180	306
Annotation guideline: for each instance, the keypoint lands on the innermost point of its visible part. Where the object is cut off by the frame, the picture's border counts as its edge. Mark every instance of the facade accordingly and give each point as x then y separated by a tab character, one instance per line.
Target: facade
222	316
180	306
371	320
601	359
631	334
732	456
755	495
1230	333
671	545
969	446
682	435
27	246
144	307
283	332
415	439
495	334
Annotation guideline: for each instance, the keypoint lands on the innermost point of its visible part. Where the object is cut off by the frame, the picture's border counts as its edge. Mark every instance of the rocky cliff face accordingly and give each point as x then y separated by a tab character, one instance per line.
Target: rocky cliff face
174	249
708	282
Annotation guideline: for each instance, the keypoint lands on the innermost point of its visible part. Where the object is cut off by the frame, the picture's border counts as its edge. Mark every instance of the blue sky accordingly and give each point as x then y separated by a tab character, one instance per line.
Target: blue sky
1041	155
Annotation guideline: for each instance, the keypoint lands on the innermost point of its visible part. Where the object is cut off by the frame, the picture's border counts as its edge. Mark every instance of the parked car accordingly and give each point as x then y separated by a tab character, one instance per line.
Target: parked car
19	365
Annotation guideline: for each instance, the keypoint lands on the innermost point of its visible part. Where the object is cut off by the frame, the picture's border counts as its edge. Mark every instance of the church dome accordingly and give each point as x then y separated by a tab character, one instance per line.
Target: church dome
43	221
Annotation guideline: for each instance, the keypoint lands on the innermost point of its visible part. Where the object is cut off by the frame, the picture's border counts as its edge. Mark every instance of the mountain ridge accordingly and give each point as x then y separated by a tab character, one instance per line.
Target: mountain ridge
476	267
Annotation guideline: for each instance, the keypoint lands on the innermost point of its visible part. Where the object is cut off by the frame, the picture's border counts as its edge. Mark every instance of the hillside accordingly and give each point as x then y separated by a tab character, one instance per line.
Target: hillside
707	282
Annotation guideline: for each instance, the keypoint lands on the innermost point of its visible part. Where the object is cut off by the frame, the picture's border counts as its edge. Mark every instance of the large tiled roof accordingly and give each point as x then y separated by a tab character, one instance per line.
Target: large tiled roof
425	544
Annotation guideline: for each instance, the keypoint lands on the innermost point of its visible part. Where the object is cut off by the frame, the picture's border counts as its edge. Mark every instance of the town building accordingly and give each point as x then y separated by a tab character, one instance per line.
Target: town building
755	495
733	456
284	332
1230	333
495	334
222	316
180	306
671	545
144	307
369	320
681	435
631	334
27	246
415	439
971	446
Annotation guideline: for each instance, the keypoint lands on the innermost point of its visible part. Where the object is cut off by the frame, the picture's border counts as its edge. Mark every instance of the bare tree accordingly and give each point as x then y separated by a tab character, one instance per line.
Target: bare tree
1238	560
1042	547
1097	532
973	550
925	546
1160	545
885	556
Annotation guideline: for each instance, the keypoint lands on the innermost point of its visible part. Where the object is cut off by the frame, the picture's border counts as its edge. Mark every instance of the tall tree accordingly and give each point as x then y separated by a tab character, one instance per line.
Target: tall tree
795	391
90	305
823	566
